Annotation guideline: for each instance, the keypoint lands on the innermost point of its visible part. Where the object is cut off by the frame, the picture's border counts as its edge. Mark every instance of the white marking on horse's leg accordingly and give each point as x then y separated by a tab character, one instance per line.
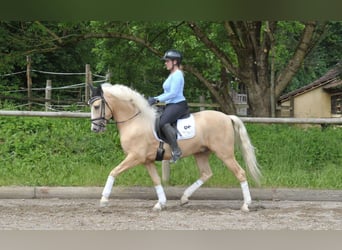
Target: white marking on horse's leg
161	198
107	191
245	192
246	196
104	202
184	200
190	190
202	160
244	208
158	206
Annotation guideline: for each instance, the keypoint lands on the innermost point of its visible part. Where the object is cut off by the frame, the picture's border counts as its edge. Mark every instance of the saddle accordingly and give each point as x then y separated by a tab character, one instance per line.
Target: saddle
184	126
158	129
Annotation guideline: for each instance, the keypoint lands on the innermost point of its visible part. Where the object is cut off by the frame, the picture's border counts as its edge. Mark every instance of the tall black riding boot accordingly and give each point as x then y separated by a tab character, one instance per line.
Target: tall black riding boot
171	136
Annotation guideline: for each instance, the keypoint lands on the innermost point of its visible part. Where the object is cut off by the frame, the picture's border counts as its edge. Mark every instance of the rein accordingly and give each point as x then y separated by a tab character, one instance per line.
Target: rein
102	117
136	114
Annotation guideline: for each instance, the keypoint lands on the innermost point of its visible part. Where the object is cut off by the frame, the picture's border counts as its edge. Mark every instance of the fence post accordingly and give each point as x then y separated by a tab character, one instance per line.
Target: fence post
108	76
165	171
29	81
88	81
48	95
202	101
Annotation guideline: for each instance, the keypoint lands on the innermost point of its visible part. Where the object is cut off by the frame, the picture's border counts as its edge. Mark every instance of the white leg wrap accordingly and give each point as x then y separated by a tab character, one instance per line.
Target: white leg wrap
108	187
190	190
245	192
161	194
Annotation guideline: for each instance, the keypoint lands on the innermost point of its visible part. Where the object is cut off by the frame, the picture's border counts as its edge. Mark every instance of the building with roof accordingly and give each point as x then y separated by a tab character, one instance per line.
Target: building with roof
319	99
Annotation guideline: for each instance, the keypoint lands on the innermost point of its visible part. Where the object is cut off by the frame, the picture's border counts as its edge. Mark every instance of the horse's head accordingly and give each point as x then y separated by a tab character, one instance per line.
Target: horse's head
98	104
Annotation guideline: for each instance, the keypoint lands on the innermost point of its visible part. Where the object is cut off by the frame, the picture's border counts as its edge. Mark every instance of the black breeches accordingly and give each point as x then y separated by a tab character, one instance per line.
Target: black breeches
173	112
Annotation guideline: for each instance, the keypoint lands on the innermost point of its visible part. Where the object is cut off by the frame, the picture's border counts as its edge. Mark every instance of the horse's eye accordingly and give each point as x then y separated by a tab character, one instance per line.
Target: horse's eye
96	107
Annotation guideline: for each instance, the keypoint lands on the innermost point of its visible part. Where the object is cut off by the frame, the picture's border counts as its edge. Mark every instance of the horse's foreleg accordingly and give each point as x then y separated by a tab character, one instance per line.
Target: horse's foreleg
107	191
202	160
151	168
128	162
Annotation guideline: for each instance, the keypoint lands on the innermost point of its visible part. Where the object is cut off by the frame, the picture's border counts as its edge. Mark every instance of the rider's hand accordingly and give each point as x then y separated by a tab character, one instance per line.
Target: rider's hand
152	101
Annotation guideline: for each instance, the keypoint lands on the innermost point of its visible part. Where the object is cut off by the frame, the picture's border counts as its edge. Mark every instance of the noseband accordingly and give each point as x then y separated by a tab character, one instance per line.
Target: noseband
102	118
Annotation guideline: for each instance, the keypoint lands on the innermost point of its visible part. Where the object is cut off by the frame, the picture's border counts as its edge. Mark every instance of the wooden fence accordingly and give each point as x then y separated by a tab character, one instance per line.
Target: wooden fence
240	100
82	88
337	120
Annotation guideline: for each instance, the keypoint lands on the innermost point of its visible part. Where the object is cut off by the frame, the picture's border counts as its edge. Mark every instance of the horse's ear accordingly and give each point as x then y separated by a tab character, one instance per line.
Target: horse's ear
92	89
95	91
99	91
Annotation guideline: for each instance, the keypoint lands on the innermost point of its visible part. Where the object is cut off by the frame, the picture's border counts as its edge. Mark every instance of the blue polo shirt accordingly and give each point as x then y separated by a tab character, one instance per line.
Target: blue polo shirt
173	88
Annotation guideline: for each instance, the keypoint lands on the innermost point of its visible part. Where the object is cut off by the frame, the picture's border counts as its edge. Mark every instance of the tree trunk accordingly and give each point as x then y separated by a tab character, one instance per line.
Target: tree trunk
259	101
252	42
297	59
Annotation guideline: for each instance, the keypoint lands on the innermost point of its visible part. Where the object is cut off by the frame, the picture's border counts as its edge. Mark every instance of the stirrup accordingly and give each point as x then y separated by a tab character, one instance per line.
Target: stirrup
175	157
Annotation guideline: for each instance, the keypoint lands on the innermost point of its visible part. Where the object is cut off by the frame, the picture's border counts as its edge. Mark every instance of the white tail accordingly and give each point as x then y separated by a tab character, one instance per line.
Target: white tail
245	145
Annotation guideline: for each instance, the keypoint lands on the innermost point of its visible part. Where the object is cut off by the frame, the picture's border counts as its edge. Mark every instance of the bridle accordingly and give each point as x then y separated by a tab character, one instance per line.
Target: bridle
102	118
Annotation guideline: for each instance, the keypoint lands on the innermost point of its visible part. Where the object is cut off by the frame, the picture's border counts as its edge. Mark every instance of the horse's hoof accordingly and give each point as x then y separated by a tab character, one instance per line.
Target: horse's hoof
104	202
184	200
244	207
158	206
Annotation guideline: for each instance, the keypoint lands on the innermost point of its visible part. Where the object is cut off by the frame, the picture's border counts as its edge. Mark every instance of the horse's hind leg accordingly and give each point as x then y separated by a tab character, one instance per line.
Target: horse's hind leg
240	174
202	160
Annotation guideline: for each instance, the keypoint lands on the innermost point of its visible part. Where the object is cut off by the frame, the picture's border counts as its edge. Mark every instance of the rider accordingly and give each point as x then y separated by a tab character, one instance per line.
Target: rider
176	104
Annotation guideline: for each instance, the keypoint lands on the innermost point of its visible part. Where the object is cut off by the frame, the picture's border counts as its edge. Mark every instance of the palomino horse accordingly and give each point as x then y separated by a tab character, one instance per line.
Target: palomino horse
215	132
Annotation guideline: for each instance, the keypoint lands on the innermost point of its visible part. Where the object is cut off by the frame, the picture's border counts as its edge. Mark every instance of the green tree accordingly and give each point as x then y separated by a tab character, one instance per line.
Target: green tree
265	56
241	48
42	41
321	59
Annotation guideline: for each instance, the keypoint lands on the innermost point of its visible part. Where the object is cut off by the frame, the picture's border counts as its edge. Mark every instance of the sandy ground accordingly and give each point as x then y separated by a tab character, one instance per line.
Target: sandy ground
137	214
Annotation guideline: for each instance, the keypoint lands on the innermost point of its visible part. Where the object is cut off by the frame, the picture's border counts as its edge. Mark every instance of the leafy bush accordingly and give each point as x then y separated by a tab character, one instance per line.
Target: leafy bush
64	152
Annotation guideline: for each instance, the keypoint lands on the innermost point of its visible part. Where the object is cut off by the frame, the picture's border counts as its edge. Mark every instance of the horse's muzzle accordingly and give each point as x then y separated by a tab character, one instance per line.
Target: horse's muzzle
98	128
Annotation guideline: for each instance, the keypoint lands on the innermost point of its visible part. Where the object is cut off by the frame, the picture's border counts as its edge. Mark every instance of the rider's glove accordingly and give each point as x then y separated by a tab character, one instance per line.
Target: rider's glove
152	101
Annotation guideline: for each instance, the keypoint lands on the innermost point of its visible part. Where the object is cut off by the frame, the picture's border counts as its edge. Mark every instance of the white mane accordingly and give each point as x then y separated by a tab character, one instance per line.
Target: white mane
125	93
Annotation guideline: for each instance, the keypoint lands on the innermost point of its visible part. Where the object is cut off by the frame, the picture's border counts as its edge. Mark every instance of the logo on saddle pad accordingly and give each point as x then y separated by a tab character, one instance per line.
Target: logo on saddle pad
186	128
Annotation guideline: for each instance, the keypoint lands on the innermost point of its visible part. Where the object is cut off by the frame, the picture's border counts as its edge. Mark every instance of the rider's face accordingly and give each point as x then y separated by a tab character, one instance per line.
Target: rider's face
169	64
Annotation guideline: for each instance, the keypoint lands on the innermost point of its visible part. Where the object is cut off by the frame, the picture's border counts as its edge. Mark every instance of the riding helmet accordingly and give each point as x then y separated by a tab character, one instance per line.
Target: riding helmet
173	55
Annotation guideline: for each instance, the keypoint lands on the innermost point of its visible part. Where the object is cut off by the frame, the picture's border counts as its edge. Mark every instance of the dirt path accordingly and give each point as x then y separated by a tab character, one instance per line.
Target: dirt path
128	214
